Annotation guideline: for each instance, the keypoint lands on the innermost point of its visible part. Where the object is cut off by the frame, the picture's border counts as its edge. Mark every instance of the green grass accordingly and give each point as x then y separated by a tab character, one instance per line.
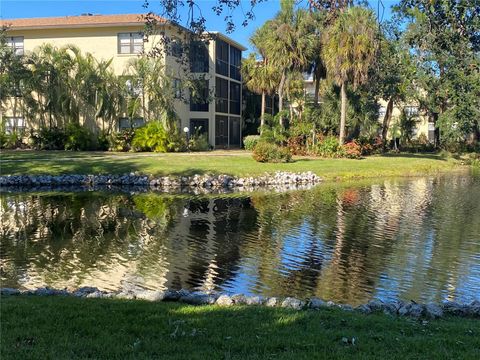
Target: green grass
72	328
237	163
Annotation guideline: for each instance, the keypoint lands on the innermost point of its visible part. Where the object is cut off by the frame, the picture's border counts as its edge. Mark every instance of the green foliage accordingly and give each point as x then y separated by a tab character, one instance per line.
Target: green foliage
151	137
78	138
52	138
271	153
250	141
273	132
176	140
103	141
329	147
122	140
199	142
10	141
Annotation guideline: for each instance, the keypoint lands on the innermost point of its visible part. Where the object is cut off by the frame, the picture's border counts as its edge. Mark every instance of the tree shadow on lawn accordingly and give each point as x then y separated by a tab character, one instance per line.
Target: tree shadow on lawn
430	156
105	328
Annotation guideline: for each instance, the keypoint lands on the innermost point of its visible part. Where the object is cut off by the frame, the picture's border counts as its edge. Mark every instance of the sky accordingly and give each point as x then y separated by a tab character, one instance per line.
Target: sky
11	9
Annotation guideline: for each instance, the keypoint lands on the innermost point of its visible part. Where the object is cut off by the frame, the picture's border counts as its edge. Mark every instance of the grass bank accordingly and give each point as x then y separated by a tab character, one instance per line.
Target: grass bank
72	328
236	163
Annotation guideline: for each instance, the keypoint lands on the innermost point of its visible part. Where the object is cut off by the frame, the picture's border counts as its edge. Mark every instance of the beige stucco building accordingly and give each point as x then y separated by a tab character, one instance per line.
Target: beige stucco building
120	38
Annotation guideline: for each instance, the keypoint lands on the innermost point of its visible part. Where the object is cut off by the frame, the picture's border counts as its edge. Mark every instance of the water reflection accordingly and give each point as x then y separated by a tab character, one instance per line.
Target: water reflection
416	239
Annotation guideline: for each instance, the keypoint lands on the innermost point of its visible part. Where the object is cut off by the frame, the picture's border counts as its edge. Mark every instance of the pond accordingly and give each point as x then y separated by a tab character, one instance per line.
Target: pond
412	239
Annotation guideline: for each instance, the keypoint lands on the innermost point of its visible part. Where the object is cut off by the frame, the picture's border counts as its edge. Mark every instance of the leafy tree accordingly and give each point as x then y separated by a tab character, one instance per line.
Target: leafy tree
445	39
349	51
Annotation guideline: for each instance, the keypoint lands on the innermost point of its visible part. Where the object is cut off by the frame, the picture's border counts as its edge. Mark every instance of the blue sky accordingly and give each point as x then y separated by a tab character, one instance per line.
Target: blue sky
10	9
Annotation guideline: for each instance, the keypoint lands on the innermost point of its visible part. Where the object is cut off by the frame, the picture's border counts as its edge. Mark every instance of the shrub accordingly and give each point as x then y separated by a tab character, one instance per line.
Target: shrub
103	141
10	141
329	147
352	150
199	142
176	141
250	141
48	139
151	137
78	138
121	141
271	153
297	145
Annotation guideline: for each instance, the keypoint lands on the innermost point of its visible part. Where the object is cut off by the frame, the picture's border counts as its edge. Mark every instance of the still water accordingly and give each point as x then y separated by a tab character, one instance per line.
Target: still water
415	239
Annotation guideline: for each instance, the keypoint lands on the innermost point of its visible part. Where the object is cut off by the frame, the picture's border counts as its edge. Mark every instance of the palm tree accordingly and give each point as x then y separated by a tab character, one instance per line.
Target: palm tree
261	78
289	44
349	51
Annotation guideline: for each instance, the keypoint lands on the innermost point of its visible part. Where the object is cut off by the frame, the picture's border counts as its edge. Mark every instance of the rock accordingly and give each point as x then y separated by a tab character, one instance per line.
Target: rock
198	298
84	291
96	295
345	307
433	311
454	308
254	300
390	309
474	308
292	303
316	303
271	302
364	309
224	300
9	291
171	295
239	299
150	295
375	305
125	295
44	291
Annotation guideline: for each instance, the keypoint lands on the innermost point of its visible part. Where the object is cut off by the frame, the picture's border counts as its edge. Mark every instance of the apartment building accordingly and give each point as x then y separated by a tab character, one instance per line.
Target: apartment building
121	38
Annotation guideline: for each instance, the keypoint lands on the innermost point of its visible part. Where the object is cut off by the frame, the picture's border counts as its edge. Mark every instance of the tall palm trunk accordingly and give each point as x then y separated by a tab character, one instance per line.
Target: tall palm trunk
343	113
281	87
386	120
262	112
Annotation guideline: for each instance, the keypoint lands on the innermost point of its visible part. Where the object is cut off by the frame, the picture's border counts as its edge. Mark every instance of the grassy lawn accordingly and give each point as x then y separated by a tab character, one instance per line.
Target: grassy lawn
238	163
72	328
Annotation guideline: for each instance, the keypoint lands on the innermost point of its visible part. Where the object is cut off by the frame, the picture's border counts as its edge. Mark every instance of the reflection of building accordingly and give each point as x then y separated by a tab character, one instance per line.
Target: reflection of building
121	38
423	125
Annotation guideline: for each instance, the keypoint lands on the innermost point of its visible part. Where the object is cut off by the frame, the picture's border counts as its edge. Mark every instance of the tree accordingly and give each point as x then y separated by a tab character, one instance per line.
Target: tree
349	51
445	40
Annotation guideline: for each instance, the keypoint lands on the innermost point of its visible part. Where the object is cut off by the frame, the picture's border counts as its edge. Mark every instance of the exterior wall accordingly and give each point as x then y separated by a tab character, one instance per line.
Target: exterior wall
102	43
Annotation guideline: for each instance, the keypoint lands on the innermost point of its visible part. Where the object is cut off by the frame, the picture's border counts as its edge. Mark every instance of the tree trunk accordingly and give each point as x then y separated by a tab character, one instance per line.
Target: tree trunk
262	112
386	121
280	95
343	113
317	89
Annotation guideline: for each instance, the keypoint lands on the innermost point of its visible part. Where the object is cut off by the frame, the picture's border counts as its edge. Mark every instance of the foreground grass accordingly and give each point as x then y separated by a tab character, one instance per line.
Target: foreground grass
71	328
237	163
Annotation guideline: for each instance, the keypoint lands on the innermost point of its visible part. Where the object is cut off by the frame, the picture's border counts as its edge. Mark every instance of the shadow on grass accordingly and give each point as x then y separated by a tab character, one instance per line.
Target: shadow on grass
430	156
97	328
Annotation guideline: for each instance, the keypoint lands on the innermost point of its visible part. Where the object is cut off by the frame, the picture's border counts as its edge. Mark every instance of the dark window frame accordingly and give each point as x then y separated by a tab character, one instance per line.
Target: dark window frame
235	104
235	63
201	106
222	89
18	50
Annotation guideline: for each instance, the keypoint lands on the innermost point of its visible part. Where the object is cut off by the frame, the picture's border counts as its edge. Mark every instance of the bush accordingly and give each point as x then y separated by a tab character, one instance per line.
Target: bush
121	141
10	141
103	141
78	138
176	141
151	137
351	150
271	153
329	147
48	139
199	142
250	141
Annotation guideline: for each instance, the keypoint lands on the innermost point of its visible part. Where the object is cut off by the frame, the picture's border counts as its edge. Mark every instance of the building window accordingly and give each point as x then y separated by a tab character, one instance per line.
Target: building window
411	110
269	104
176	47
14	124
134	86
221	64
127	123
199	126
221	95
198	57
130	43
16	43
234	98
177	89
199	98
235	63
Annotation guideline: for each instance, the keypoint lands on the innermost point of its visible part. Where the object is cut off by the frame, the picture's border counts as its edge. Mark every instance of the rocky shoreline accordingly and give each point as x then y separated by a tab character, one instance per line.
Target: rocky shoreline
208	182
394	308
